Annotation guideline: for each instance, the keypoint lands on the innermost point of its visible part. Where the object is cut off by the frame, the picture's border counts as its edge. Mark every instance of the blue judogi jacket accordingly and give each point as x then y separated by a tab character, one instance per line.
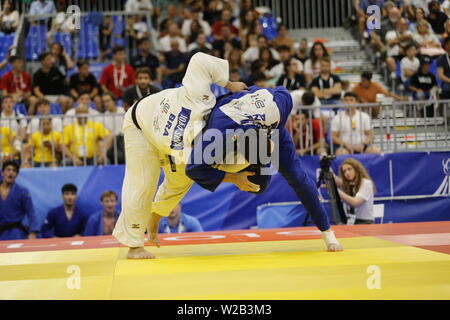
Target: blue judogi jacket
14	209
57	224
290	166
94	225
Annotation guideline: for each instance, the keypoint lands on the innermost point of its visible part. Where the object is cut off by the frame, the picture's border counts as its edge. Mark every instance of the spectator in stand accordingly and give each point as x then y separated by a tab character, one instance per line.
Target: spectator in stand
235	75
447	31
396	41
113	121
62	22
85	141
327	86
62	60
68	220
16	122
196	16
175	62
428	42
302	54
291	80
138	6
312	65
137	28
419	16
352	130
285	55
357	190
117	76
172	35
361	7
179	222
102	223
226	19
367	90
146	59
50	83
16	204
409	64
226	37
41	7
443	70
283	39
8	143
17	83
267	60
423	82
436	17
235	62
412	4
303	127
106	34
307	98
255	45
9	18
85	82
43	109
200	45
142	88
83	99
260	80
378	36
244	24
45	144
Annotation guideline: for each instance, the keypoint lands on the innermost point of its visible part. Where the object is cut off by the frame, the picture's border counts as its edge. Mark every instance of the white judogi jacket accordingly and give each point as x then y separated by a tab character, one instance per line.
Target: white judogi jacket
172	118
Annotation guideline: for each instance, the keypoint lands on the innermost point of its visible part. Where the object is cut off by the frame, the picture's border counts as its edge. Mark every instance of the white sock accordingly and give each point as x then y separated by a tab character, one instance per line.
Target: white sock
329	238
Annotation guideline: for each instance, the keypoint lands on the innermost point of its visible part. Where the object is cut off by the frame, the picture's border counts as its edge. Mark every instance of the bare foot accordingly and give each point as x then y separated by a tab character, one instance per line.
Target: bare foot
334	247
139	253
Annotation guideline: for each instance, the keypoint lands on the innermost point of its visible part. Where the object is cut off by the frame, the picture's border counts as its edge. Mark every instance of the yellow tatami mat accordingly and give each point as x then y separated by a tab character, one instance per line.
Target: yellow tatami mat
369	268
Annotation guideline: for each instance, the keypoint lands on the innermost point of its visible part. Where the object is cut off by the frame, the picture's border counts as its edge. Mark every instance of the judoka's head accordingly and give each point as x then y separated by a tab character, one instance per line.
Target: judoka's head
69	194
109	201
10	171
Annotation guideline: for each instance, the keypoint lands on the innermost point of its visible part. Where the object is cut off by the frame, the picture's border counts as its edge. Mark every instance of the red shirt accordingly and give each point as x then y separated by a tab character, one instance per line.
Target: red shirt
10	83
307	132
217	27
117	80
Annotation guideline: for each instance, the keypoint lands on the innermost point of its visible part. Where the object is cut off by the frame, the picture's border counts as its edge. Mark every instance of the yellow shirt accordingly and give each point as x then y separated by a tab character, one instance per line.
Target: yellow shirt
41	152
83	140
7	138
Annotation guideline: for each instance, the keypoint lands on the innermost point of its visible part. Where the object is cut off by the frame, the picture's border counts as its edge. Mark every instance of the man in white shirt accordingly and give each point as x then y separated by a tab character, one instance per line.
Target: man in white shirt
173	34
409	64
43	107
352	130
16	122
396	41
112	119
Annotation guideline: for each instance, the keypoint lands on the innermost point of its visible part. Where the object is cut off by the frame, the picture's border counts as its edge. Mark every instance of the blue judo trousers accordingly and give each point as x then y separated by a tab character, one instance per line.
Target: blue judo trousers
230	112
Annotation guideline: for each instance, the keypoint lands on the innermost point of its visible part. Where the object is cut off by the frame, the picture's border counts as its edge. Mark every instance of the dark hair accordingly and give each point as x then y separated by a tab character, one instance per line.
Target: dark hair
117	49
8	96
143	70
447	41
432	3
367	75
284	48
281	25
44	55
313	56
81	63
42	101
11	163
141	41
109	94
259	76
69	187
109	193
351	94
12	59
308	98
409	46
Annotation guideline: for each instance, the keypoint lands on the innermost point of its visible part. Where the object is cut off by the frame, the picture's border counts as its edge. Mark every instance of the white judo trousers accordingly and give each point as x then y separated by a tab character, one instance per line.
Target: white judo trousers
169	121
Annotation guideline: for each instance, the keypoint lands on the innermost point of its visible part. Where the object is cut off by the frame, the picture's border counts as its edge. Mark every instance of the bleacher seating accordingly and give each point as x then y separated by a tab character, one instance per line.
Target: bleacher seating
35	42
65	40
88	40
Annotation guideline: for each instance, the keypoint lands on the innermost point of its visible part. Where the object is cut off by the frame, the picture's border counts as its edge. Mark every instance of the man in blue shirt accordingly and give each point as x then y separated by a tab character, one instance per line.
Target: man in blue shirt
15	204
67	220
178	222
102	223
265	111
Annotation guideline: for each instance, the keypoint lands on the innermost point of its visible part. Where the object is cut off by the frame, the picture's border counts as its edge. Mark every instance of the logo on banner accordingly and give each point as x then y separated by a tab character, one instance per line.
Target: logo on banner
444	188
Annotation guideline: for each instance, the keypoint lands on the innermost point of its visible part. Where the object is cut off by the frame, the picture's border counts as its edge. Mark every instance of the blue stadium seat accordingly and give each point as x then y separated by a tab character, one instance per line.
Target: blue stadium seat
35	42
6	69
118	31
65	40
88	44
55	108
20	108
269	26
433	70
